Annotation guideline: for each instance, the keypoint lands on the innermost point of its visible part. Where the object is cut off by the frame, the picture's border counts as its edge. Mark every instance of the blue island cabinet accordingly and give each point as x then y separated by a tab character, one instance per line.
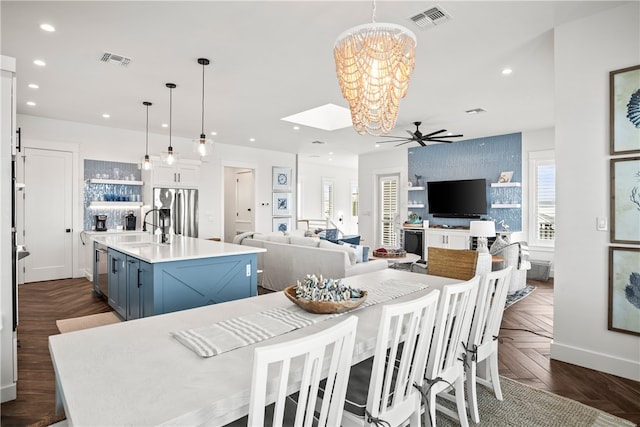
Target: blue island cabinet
142	289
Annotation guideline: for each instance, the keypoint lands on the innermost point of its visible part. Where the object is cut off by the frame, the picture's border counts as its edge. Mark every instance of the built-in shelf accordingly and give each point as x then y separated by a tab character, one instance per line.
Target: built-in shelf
416	205
100	204
415	188
506	184
506	205
114	181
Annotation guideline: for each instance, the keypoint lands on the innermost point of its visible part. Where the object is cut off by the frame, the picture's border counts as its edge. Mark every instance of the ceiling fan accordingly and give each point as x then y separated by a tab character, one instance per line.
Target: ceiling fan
418	137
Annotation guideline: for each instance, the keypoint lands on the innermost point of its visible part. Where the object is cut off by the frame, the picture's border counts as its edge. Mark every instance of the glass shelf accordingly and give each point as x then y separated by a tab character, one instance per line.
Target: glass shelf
100	204
415	188
416	205
114	181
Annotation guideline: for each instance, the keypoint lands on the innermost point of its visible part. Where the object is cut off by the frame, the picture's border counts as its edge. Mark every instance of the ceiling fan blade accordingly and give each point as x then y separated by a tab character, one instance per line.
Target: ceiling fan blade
393	140
433	133
450	136
402	143
440	140
422	143
392	136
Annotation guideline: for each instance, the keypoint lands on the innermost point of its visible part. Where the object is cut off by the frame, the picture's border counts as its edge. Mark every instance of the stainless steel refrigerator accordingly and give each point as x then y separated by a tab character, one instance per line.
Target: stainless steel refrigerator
183	204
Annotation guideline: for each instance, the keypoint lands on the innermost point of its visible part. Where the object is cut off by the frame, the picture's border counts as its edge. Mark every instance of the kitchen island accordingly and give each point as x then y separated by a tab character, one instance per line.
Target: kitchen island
147	277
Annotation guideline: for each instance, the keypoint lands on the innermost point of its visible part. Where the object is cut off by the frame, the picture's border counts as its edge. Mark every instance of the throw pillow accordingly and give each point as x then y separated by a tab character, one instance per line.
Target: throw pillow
498	245
331	234
362	252
353	240
351	253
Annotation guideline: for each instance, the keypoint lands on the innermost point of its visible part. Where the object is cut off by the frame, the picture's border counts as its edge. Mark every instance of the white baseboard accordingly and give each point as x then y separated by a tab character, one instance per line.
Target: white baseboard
8	392
598	361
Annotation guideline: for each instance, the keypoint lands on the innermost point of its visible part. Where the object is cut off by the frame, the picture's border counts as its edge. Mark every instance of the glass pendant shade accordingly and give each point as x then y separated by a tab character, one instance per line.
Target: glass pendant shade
202	145
169	157
374	63
146	161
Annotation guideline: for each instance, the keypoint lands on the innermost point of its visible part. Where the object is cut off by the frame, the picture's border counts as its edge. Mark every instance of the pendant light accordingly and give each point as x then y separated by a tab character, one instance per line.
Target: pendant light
169	157
374	63
202	146
146	162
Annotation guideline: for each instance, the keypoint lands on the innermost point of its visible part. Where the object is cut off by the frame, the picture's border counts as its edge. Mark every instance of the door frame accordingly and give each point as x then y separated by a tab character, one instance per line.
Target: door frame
238	165
76	210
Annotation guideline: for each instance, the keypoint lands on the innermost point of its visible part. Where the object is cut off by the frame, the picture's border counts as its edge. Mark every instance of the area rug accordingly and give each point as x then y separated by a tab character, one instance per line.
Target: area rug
518	295
86	322
525	406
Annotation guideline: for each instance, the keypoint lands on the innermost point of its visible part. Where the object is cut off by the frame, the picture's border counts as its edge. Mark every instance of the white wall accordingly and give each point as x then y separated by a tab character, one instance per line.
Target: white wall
585	52
310	178
110	144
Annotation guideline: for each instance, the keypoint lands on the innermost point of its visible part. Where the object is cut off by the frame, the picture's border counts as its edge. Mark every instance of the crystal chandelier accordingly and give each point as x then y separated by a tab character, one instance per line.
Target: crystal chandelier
374	63
146	162
202	146
169	157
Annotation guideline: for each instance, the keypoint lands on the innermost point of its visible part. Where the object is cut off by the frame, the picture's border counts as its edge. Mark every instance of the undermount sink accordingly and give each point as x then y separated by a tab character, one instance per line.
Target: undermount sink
143	244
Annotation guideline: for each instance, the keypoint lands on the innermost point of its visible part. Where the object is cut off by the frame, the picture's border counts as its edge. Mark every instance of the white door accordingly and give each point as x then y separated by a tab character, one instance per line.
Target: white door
48	214
244	201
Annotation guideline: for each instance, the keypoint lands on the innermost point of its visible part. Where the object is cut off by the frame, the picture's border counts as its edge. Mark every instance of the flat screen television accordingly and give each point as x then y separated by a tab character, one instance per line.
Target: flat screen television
457	199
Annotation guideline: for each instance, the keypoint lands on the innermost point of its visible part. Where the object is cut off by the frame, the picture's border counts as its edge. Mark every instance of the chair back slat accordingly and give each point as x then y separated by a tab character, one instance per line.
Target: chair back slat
403	342
453	323
492	295
301	365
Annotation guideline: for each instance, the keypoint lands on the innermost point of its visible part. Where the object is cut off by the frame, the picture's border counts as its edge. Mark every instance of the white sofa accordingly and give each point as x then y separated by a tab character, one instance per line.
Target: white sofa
290	258
515	255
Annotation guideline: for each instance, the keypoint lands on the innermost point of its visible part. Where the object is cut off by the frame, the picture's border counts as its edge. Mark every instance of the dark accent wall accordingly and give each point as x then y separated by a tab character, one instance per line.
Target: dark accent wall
471	159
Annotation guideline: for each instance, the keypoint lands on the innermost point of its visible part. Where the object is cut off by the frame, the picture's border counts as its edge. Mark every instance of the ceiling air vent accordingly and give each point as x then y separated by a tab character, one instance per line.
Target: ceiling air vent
431	17
118	59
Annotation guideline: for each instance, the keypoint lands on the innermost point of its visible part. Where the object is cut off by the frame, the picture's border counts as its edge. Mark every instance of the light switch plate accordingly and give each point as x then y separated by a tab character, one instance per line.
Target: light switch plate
602	224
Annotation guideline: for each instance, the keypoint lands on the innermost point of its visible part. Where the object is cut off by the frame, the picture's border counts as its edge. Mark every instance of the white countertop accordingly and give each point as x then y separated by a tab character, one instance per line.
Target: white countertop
147	247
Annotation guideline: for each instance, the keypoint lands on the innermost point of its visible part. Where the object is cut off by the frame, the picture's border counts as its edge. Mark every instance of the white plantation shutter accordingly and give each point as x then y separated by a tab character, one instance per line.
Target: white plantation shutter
388	186
327	198
543	206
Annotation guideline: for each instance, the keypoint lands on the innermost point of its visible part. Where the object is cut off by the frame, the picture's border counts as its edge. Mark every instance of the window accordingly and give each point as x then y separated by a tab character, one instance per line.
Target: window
388	209
327	198
542	171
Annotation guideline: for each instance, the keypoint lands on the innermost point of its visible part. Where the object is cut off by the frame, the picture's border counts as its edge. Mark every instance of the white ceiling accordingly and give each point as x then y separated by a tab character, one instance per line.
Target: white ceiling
274	59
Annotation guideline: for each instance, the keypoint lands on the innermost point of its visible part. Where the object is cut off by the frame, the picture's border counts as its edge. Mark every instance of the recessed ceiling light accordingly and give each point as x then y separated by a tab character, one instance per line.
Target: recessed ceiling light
507	71
39	62
296	128
33	86
252	140
31	103
164	125
331	153
48	27
377	145
106	116
330	159
214	133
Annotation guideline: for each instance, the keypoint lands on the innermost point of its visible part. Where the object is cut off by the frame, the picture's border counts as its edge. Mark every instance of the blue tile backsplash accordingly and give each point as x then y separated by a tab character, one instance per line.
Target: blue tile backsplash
471	159
110	192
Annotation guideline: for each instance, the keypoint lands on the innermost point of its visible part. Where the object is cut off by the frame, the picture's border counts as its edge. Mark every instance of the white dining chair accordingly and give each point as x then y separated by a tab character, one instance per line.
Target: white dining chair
483	344
381	392
301	364
445	367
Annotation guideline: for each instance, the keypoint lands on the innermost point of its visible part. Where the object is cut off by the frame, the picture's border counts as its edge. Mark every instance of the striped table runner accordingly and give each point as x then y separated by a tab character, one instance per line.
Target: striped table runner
230	334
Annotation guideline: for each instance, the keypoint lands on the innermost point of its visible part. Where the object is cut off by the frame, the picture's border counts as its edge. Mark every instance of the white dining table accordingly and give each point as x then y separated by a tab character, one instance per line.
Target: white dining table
135	373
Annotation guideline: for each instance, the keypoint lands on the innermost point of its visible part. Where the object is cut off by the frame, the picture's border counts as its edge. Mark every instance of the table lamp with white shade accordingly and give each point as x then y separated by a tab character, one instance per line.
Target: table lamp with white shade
482	230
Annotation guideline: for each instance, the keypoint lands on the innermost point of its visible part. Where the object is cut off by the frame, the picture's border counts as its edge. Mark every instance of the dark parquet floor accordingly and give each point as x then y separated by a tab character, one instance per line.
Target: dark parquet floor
524	356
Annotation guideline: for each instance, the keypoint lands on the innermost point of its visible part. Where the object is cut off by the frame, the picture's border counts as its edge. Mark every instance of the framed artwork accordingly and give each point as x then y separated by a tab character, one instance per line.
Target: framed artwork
624	290
624	110
281	179
625	200
282	224
281	204
505	177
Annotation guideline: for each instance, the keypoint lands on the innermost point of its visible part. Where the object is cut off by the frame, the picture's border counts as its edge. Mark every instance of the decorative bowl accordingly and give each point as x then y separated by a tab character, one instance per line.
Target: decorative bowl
389	254
323	307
